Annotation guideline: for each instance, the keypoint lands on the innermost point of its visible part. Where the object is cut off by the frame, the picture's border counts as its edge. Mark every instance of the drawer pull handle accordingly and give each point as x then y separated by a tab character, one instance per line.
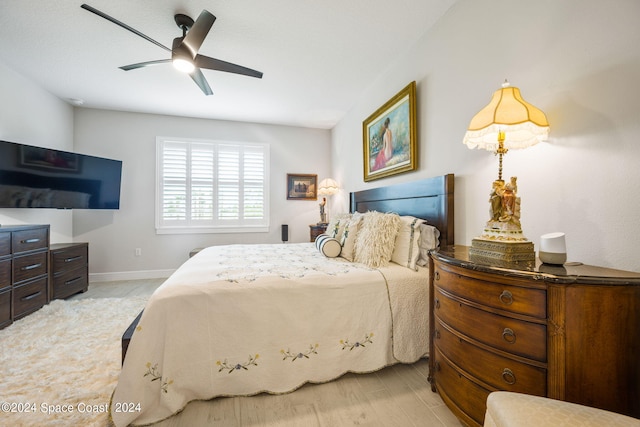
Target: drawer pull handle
74	258
506	298
437	275
437	367
69	282
30	241
509	336
31	267
508	376
437	304
32	296
436	334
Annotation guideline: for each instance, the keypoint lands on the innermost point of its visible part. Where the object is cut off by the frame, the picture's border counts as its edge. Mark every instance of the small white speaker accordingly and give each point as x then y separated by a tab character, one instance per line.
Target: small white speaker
553	248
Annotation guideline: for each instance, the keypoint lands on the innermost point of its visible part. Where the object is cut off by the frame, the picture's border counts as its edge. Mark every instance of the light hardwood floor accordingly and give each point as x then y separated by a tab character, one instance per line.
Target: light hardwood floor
397	396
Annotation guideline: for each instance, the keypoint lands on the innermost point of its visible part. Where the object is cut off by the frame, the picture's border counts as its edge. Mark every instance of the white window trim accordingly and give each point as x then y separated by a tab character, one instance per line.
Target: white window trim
233	227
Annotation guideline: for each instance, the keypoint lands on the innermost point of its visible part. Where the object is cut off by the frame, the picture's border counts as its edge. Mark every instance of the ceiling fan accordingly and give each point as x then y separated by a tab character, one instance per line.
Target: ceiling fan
184	50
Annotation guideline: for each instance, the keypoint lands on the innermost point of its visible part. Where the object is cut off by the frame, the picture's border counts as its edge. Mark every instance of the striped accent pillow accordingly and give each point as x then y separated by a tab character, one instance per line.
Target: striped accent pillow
328	246
407	250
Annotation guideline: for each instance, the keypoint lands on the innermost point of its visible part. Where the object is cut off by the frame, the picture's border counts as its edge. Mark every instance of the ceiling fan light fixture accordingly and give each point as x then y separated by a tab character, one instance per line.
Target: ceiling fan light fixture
180	56
183	65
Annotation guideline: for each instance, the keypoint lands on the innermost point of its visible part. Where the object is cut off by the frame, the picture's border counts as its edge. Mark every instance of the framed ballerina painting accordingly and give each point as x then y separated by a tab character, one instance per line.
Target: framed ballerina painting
389	136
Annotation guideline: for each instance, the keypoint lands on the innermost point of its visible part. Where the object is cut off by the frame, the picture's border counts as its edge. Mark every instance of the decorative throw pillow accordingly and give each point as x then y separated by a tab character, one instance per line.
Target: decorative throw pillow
336	225
406	250
349	236
429	240
376	238
328	246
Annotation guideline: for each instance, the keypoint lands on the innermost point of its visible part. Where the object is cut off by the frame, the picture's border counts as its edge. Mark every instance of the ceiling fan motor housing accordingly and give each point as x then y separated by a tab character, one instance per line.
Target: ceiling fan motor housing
184	22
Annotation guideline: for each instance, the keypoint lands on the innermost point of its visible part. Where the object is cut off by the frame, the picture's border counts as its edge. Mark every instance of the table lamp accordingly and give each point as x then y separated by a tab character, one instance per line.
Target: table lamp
327	187
507	122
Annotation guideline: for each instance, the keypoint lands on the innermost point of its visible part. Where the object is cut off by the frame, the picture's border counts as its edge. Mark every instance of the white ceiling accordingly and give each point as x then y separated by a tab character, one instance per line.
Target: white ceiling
317	56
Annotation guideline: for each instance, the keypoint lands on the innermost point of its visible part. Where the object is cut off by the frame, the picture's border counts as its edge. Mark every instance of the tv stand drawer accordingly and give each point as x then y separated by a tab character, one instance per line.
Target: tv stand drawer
29	297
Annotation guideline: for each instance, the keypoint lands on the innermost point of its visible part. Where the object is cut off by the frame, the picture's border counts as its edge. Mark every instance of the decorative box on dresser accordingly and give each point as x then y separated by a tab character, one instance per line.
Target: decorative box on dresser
69	269
24	270
567	332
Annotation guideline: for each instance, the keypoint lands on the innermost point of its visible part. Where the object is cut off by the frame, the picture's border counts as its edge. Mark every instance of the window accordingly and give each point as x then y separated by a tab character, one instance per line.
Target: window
211	186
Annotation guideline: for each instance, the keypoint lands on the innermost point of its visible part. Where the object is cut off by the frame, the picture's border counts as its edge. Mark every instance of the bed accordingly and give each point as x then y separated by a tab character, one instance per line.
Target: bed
238	320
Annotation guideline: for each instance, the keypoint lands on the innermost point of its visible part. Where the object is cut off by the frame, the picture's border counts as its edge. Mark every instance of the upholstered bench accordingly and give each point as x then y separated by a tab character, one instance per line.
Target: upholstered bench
126	337
507	409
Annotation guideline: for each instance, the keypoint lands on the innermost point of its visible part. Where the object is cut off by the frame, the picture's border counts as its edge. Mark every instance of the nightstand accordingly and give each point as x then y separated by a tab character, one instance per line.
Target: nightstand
316	229
69	269
565	332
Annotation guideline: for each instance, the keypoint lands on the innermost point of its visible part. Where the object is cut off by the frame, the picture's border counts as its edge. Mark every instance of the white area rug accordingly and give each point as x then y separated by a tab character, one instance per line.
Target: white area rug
59	365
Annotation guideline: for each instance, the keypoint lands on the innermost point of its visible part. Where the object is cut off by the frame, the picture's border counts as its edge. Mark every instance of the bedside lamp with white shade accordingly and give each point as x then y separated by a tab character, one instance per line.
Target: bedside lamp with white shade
327	187
507	122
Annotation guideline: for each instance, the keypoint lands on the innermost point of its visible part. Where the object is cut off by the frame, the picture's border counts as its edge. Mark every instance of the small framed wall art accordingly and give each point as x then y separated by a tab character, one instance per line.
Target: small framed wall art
389	136
302	186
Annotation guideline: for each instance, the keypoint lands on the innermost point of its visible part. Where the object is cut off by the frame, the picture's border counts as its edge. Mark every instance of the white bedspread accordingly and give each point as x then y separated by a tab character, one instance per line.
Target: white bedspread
245	319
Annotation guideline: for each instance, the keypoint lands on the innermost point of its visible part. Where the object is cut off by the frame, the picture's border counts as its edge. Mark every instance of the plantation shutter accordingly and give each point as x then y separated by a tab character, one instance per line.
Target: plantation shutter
210	186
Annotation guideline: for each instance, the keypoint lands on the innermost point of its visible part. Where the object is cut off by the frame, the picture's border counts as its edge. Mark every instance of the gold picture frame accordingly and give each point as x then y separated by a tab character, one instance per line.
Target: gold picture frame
389	137
302	186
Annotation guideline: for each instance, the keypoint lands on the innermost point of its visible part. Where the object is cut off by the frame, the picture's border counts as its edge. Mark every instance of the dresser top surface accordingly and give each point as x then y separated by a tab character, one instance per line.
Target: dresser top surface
22	227
570	272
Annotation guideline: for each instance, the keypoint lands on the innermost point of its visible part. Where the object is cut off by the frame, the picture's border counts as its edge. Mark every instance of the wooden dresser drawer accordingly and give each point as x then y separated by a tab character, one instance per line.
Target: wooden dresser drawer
5	307
27	267
514	336
527	301
69	258
494	369
29	297
5	244
456	389
5	273
70	282
30	240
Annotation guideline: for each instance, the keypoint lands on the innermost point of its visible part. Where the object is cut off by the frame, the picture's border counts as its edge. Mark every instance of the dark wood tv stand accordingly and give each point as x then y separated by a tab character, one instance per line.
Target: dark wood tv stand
32	272
24	271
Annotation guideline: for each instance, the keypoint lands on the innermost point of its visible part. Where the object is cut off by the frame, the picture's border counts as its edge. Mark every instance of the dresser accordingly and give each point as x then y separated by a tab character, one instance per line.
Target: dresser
24	271
567	332
69	269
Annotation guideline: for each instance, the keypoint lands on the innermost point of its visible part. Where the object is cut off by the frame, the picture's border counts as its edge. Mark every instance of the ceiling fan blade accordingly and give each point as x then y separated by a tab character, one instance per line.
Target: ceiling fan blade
123	25
198	77
196	35
144	64
216	64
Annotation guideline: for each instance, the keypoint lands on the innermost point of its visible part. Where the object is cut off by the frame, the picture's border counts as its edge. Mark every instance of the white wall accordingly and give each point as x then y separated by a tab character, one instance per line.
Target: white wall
31	115
131	137
577	60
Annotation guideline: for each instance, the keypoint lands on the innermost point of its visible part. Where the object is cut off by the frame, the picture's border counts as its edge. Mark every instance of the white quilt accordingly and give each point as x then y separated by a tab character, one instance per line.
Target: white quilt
244	319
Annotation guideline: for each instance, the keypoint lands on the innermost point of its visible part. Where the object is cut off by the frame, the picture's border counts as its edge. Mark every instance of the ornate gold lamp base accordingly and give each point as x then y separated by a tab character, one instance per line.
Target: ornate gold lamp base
502	243
502	253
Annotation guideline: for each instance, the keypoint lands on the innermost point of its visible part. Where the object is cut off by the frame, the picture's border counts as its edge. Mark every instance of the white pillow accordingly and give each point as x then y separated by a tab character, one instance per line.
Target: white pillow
406	251
376	238
349	236
328	246
429	240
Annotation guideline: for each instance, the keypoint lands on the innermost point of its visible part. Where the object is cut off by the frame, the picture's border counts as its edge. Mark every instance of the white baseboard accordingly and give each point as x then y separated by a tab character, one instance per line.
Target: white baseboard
129	275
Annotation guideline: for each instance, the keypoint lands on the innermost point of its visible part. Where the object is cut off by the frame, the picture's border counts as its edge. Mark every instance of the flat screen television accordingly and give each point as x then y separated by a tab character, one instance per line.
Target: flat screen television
37	177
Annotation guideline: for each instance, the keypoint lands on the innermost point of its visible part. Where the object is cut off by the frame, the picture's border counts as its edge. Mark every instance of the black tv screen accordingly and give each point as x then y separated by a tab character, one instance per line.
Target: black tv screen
37	177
